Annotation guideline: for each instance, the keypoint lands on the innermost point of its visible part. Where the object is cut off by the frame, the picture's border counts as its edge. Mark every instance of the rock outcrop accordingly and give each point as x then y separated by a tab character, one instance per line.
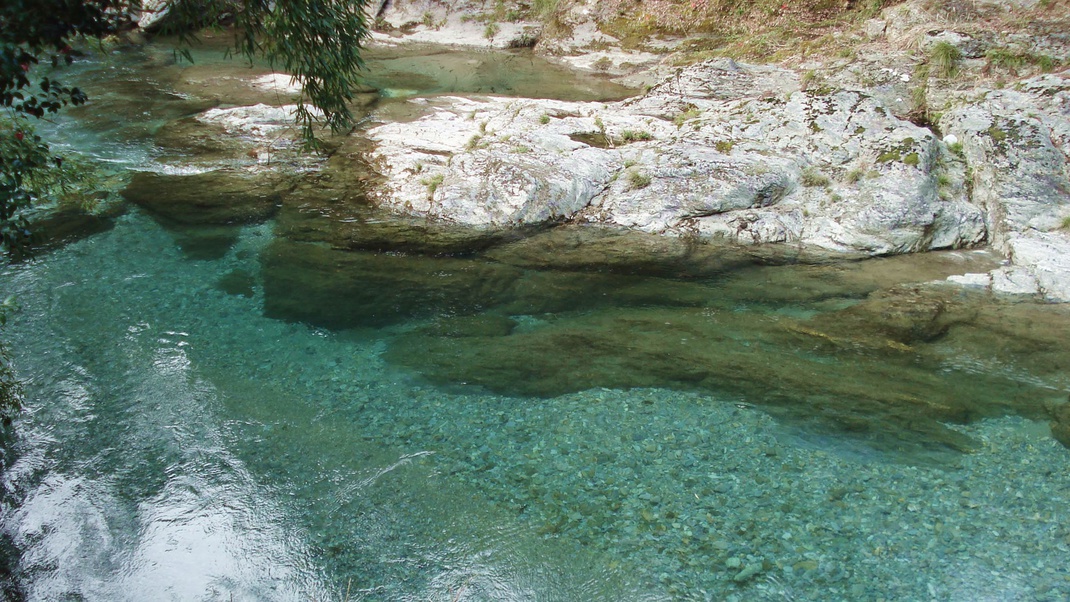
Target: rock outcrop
1017	144
720	150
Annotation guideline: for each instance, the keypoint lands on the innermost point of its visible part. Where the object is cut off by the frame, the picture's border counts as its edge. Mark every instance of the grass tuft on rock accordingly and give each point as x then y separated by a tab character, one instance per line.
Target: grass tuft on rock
944	60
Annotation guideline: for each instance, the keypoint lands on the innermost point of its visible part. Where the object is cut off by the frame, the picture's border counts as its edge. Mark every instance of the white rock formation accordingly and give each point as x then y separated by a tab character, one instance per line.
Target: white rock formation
1017	144
719	149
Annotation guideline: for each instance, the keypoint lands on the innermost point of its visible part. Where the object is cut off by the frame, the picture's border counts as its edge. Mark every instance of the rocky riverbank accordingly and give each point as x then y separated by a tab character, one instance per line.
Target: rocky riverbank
927	127
932	130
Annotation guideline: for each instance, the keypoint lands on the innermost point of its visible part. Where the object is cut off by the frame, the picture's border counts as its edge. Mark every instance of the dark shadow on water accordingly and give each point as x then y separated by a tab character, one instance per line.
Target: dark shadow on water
827	348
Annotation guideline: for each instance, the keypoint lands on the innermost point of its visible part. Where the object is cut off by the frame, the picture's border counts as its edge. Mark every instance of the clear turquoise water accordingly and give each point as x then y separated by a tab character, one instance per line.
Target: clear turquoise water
180	444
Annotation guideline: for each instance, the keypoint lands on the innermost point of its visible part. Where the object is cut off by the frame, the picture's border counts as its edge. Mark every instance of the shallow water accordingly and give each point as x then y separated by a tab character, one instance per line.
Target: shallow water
276	420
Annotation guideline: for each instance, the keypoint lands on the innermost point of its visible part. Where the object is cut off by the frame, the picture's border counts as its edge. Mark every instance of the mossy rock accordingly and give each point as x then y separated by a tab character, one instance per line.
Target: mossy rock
904	315
845	368
332	207
333	288
215	197
1060	425
191	137
598	248
889	404
62	226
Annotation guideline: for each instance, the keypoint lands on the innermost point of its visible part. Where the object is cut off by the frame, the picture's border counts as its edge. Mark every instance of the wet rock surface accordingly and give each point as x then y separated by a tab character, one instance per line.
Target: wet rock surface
1060	425
216	197
871	370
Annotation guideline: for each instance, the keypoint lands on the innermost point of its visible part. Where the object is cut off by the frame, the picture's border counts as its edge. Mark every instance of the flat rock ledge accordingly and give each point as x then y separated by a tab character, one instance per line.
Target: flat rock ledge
748	155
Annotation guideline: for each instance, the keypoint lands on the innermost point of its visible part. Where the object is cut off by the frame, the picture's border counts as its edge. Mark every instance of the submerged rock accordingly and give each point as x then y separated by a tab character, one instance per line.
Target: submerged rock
216	197
888	369
338	289
1060	425
590	247
331	206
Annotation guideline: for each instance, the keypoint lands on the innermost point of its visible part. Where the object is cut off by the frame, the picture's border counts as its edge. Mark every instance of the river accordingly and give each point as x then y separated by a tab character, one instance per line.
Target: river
272	420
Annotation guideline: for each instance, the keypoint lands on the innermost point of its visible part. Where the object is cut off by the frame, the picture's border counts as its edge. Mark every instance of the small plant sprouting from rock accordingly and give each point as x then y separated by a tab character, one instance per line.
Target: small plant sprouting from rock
1066	223
544	8
955	148
603	64
854	176
943	187
490	31
811	177
473	142
432	183
634	136
1011	60
638	179
724	146
944	59
690	112
544	119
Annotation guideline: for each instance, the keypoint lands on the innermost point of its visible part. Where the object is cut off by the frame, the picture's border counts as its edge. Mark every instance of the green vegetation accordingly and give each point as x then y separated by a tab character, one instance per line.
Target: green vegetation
473	142
724	146
955	148
490	31
912	159
543	9
854	176
634	136
1065	225
920	112
811	177
432	183
638	180
944	59
763	30
690	112
1012	60
10	388
544	119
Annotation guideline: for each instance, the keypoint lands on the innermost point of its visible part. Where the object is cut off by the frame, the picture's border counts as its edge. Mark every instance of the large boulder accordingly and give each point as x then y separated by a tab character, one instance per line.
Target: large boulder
1016	144
714	151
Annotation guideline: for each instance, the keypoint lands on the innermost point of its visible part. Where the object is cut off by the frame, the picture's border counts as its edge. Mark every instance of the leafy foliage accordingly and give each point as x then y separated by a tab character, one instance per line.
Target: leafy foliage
32	32
23	156
10	388
317	41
